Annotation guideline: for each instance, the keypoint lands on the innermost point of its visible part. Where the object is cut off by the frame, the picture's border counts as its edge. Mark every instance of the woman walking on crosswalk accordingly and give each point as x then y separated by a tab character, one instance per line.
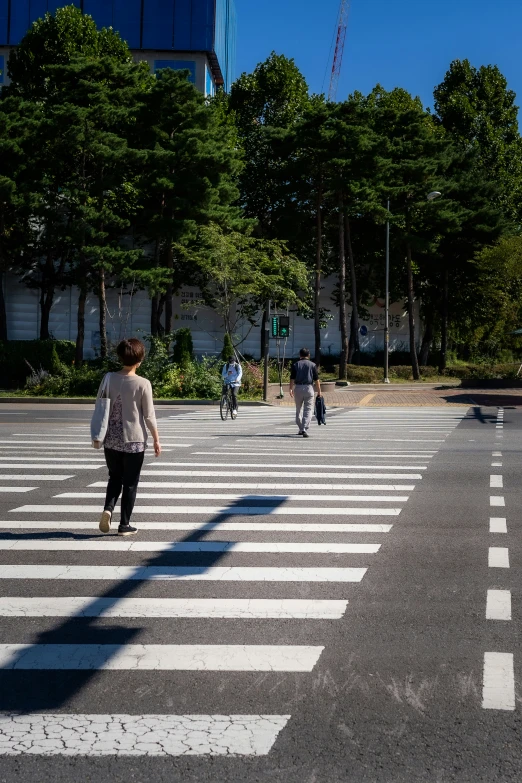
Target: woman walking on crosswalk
131	413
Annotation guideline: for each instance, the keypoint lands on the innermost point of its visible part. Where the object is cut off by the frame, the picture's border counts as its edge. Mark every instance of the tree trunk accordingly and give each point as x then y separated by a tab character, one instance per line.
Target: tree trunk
161	305
3	312
154	302
354	348
317	283
80	333
170	291
46	303
102	298
342	295
411	316
427	339
444	323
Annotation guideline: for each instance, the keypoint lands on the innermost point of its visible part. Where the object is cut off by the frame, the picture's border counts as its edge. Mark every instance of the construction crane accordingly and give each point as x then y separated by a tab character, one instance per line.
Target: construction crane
339	49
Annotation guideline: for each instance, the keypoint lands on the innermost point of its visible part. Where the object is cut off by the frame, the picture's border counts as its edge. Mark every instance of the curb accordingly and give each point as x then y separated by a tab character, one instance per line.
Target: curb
92	400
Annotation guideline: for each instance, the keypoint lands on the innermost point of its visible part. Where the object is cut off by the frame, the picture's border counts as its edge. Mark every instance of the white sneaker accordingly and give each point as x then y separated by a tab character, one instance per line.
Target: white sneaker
105	521
234	413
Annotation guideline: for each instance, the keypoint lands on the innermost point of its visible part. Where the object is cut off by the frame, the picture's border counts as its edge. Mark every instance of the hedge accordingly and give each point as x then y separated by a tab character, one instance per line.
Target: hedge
47	354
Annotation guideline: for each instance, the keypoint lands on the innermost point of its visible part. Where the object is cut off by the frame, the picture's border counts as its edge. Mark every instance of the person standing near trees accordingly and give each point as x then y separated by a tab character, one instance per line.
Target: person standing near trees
302	378
232	373
131	413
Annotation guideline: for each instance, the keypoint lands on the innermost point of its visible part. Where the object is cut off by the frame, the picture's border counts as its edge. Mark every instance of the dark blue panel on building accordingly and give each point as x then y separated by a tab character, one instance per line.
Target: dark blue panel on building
2	67
3	22
127	21
202	25
53	5
20	20
158	24
100	10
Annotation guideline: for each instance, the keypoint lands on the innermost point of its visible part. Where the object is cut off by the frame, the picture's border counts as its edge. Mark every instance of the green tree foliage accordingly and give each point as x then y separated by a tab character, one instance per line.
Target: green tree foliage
183	347
228	348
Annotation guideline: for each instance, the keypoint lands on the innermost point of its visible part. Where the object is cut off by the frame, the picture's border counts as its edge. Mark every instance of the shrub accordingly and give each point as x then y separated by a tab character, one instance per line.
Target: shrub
228	348
402	371
42	354
364	374
183	347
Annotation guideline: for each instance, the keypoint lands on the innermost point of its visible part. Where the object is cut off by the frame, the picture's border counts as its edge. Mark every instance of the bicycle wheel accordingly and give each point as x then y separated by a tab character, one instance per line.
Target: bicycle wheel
224	406
232	414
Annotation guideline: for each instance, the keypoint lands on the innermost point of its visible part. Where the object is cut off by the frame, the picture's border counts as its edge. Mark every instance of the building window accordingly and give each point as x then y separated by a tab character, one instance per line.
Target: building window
210	88
177	65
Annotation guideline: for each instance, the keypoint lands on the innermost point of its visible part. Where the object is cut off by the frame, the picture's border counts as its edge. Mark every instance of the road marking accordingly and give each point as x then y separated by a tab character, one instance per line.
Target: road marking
497	525
267	486
261	466
496	481
26	477
32	465
51	459
218	510
286	527
496	464
365	399
161	657
498	692
496	454
220	608
232	496
186	546
498	605
138	735
498	557
278	474
183	573
496	500
17	489
229	450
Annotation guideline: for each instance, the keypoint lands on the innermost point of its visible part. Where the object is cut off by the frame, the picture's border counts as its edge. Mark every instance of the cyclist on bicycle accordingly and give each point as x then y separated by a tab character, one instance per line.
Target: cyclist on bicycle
232	373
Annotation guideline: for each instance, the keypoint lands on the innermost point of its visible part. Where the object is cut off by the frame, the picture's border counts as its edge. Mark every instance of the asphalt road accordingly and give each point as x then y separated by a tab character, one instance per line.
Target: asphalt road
297	610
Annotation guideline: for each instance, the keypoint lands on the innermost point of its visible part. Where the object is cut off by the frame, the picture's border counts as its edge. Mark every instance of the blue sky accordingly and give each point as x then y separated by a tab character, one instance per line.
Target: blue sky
405	43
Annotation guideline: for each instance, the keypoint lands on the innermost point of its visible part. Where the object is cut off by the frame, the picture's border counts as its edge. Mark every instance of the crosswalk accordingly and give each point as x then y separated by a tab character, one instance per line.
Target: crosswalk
252	541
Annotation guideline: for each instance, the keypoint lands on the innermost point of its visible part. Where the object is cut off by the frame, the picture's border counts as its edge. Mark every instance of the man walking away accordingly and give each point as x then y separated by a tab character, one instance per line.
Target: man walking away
232	373
302	378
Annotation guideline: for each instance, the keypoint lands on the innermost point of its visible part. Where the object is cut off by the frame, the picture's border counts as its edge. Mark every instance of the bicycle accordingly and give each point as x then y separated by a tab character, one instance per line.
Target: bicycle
226	405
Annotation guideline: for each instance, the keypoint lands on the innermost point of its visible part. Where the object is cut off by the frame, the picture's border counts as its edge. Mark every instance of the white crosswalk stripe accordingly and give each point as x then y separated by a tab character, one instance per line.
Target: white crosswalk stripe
280	545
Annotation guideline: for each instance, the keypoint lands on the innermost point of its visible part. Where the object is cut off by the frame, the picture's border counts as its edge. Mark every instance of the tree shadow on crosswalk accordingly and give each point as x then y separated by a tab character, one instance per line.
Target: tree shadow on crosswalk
27	686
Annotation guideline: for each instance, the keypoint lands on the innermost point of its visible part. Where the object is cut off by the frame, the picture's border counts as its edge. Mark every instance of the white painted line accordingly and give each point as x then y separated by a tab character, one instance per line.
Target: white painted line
160	657
285	527
496	481
498	605
498	557
264	486
246	497
332	454
33	465
192	608
496	500
183	573
17	489
27	477
138	735
261	466
52	459
498	692
497	525
496	464
496	454
186	546
499	427
217	510
282	473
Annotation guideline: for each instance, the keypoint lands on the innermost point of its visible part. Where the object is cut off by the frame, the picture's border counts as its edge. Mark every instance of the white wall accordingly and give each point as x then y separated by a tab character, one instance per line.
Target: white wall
130	315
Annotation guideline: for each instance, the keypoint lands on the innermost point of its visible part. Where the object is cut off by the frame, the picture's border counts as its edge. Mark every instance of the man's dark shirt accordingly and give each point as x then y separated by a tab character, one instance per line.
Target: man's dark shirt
304	372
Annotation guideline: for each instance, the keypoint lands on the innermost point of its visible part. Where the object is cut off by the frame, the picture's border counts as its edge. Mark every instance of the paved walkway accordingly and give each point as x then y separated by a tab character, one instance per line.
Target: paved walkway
414	397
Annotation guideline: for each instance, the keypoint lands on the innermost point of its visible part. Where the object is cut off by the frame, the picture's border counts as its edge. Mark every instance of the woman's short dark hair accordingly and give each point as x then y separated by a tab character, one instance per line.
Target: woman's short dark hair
131	351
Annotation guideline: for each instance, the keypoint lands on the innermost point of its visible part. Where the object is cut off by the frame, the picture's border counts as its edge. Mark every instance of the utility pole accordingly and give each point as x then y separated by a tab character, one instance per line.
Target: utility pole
267	351
339	49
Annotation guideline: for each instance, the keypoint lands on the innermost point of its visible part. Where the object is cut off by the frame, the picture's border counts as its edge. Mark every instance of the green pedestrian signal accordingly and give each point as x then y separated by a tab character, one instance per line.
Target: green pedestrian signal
280	326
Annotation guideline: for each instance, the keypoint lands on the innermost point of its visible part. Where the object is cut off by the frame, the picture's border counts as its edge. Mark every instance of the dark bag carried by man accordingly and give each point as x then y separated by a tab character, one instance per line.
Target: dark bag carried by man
320	410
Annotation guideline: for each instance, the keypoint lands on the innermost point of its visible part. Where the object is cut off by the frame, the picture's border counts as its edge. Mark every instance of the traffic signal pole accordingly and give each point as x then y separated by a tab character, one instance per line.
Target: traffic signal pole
267	351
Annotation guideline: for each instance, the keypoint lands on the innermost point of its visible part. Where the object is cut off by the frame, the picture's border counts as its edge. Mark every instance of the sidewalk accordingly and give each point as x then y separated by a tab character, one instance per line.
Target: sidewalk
373	396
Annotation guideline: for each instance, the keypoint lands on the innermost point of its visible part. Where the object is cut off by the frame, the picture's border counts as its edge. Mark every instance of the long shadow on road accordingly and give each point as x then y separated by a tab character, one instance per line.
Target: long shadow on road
36	690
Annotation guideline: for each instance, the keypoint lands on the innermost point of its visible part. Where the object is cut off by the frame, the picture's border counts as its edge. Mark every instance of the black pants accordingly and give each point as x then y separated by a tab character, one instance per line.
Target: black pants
124	473
234	398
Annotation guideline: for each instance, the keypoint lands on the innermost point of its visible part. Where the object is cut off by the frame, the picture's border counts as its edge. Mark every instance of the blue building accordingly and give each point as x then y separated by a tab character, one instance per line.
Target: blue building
198	35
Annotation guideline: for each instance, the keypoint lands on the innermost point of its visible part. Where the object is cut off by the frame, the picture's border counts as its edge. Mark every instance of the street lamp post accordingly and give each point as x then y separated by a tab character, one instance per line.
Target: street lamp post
387	300
430	197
